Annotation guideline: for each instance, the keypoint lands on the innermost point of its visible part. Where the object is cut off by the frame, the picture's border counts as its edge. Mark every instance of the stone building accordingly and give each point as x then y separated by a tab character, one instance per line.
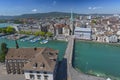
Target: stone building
35	63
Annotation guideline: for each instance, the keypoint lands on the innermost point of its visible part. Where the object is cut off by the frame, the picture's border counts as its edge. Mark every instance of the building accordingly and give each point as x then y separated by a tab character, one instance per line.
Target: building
35	63
83	33
113	39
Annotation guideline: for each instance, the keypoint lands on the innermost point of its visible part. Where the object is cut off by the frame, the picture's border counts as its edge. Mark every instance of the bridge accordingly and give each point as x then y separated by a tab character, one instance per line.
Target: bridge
72	74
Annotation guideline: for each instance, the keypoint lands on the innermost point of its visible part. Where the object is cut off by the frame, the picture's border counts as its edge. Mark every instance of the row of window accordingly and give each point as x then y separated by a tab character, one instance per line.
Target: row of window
38	77
16	60
38	72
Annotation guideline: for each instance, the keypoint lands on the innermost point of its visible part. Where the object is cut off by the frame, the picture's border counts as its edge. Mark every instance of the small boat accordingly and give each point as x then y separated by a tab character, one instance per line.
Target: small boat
35	39
26	39
44	41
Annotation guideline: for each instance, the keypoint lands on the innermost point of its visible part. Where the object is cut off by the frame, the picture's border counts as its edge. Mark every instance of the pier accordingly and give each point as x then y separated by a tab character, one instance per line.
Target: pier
72	74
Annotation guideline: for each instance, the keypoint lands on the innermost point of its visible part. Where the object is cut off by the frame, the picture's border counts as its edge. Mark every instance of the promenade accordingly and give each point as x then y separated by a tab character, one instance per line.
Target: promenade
72	74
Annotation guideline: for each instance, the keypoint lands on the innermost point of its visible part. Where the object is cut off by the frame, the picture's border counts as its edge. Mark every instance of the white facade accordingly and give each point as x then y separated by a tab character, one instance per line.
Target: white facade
108	39
83	33
113	38
15	26
38	75
66	31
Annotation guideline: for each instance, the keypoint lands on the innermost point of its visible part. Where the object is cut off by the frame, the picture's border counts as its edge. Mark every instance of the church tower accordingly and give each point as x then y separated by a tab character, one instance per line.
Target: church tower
71	24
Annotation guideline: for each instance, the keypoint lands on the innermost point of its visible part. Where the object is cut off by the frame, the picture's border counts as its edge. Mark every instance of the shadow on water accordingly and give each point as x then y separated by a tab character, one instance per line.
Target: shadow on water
73	56
62	70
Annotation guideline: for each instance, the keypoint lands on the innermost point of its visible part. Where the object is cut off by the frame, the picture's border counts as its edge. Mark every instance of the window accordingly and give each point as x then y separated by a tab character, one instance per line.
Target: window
31	72
32	77
38	72
45	72
45	77
39	77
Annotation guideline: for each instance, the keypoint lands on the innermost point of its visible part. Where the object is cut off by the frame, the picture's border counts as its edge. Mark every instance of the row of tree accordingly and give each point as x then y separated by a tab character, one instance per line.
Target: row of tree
7	30
38	33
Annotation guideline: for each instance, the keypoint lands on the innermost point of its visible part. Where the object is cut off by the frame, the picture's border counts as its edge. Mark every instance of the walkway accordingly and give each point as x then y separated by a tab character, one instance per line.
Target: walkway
72	74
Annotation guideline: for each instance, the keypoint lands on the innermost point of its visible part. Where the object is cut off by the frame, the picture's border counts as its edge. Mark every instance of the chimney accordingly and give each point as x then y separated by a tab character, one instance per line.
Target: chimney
16	44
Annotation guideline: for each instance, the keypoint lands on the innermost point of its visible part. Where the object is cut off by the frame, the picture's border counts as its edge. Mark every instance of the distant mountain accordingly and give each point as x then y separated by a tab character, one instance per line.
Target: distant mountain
49	14
43	15
7	17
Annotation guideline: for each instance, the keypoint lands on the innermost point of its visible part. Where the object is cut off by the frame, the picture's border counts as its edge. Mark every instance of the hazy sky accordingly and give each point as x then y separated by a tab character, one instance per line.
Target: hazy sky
17	7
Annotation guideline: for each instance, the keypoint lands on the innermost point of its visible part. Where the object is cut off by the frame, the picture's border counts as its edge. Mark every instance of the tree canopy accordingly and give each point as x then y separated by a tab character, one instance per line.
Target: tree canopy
4	50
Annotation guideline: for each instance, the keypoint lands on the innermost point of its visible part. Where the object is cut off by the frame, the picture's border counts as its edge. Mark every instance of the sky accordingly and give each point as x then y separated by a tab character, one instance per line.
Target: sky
18	7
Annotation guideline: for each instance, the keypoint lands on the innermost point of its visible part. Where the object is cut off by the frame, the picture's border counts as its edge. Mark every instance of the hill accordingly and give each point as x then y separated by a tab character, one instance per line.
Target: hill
49	14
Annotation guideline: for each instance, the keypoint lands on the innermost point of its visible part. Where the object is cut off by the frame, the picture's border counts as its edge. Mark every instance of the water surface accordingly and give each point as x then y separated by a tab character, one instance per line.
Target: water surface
58	45
98	59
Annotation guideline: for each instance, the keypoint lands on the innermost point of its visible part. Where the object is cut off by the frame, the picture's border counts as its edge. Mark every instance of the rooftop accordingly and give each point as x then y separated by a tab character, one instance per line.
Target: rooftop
40	59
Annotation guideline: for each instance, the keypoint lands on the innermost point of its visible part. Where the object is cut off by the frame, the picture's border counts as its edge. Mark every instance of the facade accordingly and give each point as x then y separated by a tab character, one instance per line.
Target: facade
108	39
35	63
83	33
113	39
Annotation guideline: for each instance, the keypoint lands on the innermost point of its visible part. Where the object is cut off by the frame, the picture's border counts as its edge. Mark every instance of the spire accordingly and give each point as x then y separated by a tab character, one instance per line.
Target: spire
71	16
71	24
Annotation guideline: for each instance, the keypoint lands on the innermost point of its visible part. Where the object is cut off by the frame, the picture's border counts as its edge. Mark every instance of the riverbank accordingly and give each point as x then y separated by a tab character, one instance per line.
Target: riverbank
114	44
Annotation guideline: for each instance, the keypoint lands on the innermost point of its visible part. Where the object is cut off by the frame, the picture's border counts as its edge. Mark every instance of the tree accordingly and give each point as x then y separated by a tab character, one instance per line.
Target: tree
0	30
4	48
49	34
42	33
37	33
2	57
10	29
3	30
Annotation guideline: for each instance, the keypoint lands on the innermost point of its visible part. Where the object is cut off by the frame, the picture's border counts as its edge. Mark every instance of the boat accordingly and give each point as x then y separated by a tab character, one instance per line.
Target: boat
35	39
44	41
26	39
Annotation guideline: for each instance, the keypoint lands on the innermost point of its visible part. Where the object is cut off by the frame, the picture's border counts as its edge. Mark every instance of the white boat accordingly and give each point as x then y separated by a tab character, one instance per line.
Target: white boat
26	39
44	41
35	39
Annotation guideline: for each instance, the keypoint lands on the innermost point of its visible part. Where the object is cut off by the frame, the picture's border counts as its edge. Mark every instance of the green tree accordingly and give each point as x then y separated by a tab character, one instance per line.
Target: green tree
2	57
42	33
10	29
0	30
4	48
37	33
3	30
94	21
49	34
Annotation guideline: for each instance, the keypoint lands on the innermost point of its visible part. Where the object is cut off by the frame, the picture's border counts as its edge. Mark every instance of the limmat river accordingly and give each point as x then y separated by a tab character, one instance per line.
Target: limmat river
57	45
97	59
2	25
